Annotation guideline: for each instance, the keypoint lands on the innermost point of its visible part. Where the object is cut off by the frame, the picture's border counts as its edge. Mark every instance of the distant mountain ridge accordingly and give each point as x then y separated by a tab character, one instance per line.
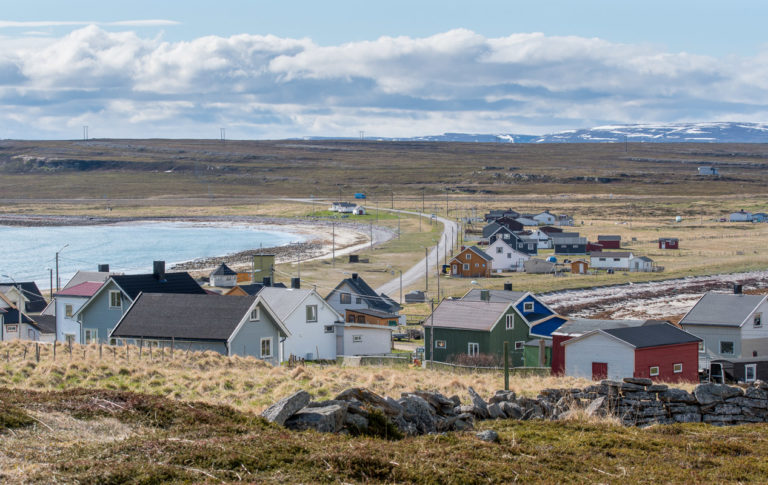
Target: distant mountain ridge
716	132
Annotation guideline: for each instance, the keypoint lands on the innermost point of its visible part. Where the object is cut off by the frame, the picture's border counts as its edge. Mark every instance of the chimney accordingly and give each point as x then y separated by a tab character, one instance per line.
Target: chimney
267	282
103	268
158	270
354	276
485	295
507	286
737	289
296	283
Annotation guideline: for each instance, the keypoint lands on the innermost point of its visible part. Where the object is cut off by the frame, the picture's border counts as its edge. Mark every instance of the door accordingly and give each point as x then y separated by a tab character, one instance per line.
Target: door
454	269
599	371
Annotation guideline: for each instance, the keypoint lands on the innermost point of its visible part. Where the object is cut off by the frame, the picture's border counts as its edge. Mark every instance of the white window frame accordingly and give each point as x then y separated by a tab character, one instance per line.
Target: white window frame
268	341
12	328
440	344
473	348
757	320
468	256
702	348
90	335
653	371
747	368
528	306
68	310
356	339
313	309
720	348
677	368
520	345
115	341
510	321
255	315
120	295
465	266
329	329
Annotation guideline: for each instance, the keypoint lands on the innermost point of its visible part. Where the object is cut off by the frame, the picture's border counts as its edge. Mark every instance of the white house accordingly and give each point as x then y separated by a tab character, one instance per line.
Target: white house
363	339
359	211
741	216
343	207
544	218
505	258
66	303
708	170
641	264
610	260
543	239
223	277
354	293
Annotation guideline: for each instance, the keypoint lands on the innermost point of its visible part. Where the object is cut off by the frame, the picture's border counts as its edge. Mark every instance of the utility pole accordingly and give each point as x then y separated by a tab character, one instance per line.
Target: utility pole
398	226
50	270
392	206
401	286
371	228
426	273
333	245
432	333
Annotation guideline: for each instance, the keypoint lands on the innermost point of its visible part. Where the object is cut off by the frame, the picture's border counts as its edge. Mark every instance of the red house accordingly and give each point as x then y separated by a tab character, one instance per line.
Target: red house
609	242
471	262
669	243
594	247
659	351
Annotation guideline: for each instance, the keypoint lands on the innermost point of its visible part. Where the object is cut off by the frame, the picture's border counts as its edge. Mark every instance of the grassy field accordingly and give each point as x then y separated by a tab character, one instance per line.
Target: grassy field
80	419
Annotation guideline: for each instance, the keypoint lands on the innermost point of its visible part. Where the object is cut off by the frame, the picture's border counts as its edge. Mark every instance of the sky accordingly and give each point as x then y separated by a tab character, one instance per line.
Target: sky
264	69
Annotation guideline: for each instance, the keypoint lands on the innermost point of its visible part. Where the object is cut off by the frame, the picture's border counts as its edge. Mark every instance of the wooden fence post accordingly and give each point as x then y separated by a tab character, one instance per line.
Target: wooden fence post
37	351
54	350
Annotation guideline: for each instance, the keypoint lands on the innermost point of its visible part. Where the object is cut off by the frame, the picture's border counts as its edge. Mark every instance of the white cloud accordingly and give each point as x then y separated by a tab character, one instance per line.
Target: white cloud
267	86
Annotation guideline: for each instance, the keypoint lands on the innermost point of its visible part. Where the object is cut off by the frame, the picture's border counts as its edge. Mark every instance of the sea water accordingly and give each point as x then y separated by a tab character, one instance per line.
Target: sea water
26	253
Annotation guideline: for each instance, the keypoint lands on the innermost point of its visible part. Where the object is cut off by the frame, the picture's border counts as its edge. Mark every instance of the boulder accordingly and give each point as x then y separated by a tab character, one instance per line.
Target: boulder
640	381
286	407
481	406
756	393
440	403
456	400
419	413
747	402
657	388
511	410
502	396
495	411
328	419
488	435
598	407
369	398
356	421
715	393
687	418
463	425
677	395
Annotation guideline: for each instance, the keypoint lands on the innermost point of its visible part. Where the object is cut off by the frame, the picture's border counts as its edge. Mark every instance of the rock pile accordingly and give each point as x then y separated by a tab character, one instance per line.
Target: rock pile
636	402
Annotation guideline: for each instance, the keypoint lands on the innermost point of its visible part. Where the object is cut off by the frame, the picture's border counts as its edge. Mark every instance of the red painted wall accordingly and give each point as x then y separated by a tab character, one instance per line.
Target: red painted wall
610	244
664	357
670	245
558	354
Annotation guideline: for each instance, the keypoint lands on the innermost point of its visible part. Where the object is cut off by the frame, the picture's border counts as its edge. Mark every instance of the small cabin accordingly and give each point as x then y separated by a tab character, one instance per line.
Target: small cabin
609	241
579	267
669	243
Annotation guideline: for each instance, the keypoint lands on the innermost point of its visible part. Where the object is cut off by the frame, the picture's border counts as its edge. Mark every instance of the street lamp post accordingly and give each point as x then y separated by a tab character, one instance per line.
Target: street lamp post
58	281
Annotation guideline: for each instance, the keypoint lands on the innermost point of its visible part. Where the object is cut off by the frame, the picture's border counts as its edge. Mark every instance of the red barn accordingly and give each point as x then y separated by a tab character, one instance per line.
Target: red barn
669	243
594	247
658	351
609	242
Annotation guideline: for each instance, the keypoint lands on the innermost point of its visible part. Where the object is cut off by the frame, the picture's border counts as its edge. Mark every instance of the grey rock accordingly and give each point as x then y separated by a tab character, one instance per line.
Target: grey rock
357	421
369	398
756	393
639	395
477	401
436	400
463	425
418	412
640	381
495	411
727	409
683	408
677	395
715	393
747	402
511	410
657	388
597	407
760	384
466	408
488	435
687	418
456	400
286	407
503	396
328	419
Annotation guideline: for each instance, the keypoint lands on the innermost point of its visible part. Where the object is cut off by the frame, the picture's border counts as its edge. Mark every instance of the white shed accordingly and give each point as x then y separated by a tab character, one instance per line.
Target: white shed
610	260
598	355
641	264
363	339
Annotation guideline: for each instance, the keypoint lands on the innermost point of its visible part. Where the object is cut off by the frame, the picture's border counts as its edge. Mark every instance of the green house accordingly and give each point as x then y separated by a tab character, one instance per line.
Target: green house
476	327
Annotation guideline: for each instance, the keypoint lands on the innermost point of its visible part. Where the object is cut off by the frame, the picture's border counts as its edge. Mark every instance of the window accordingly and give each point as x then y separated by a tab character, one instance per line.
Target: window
509	255
510	322
726	348
255	316
677	368
530	246
757	320
358	300
12	328
616	259
528	306
473	348
68	310
477	265
654	371
750	372
266	347
506	236
468	256
115	300
351	318
328	328
361	319
575	246
602	259
701	347
439	344
91	335
345	298
357	338
499	250
519	345
311	313
466	267
115	341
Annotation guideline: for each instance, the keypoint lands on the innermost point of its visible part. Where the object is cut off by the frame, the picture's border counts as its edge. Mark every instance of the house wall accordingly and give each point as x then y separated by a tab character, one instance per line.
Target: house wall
23	332
373	341
334	299
712	336
247	340
371	320
609	244
539	310
531	356
664	244
508	259
99	316
478	267
665	357
640	265
224	281
68	325
558	354
753	334
598	347
309	338
570	248
544	218
609	262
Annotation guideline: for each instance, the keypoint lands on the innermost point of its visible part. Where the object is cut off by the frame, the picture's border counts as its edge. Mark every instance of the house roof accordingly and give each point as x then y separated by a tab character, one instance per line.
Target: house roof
497	296
550	230
610	254
176	283
468	315
480	253
569	240
35	302
83	276
361	289
182	316
223	270
722	309
546	326
652	335
559	235
12	316
374	313
86	289
46	323
645	258
608	237
254	288
579	326
668	239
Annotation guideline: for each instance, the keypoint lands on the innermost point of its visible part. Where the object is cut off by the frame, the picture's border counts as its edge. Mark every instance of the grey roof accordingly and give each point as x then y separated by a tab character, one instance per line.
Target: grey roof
182	316
170	283
723	309
86	276
223	270
497	296
363	290
569	240
652	335
283	300
253	288
608	237
46	323
645	258
480	253
35	302
468	315
579	326
610	254
560	235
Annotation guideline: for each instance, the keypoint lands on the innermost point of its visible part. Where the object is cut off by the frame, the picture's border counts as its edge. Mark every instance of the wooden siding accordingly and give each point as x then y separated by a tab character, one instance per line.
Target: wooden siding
664	357
477	267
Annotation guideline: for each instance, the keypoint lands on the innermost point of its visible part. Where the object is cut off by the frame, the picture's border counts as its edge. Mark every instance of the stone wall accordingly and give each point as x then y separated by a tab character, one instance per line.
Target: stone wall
635	402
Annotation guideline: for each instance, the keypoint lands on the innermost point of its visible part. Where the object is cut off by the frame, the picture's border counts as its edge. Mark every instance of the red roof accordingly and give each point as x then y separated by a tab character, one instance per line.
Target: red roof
89	288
